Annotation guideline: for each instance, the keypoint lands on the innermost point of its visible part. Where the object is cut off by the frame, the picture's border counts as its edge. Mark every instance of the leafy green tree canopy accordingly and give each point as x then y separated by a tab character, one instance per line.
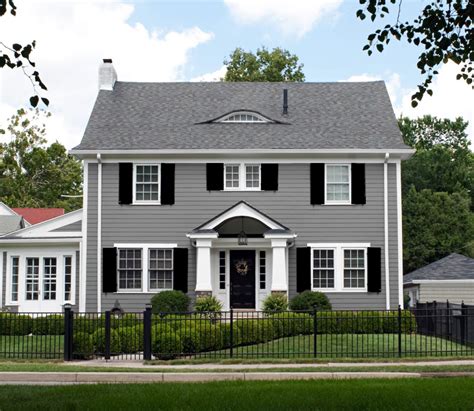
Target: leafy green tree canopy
264	65
443	29
33	174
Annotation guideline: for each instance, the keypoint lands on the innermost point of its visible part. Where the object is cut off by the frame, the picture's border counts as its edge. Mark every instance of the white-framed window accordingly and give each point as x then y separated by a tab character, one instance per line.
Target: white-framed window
130	269
338	184
50	267
323	268
339	267
243	117
32	278
222	269
146	184
15	272
262	266
242	176
160	269
67	268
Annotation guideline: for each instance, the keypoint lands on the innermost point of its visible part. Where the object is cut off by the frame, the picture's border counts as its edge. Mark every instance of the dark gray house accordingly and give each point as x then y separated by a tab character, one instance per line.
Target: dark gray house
451	278
240	190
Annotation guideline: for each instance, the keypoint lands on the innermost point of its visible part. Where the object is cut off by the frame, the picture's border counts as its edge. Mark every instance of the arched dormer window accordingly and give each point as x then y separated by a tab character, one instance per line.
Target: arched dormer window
243	117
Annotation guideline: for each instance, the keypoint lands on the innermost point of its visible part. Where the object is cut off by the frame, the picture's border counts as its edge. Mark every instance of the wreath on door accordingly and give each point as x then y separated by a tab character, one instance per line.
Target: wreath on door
242	267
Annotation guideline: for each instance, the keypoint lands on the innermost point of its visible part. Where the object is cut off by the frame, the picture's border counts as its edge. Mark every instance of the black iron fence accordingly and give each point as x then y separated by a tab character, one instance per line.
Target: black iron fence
425	331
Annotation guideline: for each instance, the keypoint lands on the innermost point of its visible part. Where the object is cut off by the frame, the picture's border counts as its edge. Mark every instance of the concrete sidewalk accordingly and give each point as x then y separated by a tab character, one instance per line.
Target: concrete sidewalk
289	366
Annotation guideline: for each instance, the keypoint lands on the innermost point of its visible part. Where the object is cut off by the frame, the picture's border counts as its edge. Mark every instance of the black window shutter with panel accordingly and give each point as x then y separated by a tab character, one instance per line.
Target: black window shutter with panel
180	269
215	176
303	269
374	269
167	184
269	177
125	183
109	270
358	183
317	183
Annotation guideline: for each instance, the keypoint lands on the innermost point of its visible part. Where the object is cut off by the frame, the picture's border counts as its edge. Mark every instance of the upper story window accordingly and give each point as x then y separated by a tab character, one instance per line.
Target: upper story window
338	184
243	117
146	183
242	176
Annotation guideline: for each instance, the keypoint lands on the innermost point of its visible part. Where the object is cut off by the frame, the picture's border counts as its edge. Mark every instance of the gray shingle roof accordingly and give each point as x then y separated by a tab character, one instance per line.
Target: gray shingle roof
453	267
167	116
9	223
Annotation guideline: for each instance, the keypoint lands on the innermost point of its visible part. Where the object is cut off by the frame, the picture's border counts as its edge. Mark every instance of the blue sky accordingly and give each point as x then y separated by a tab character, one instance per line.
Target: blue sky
154	40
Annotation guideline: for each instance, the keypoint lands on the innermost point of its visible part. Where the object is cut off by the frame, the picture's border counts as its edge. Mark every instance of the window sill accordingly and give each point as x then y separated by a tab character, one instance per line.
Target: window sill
134	292
226	190
332	290
146	204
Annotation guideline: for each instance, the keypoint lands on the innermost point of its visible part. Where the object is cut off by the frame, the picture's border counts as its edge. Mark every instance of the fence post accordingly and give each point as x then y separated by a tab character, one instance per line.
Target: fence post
315	333
68	332
147	333
463	323
107	335
399	330
231	333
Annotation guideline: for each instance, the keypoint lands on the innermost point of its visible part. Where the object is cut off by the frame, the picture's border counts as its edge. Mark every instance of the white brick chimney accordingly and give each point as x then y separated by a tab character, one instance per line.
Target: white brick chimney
107	75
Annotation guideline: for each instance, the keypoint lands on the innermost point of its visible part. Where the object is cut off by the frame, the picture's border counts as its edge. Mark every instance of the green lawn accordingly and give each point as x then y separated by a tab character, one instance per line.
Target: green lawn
407	394
349	345
32	346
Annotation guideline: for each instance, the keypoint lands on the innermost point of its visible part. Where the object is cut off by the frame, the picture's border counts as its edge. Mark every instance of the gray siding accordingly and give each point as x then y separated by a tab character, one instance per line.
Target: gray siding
454	292
290	205
77	226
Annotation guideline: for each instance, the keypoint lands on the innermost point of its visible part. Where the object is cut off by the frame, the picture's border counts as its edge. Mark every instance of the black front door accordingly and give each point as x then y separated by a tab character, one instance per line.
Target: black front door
242	279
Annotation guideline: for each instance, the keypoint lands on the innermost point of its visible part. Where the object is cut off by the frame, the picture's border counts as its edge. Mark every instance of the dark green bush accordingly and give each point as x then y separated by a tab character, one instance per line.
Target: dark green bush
201	335
255	331
126	320
275	303
131	339
225	333
310	300
289	324
170	302
49	325
98	340
167	346
88	324
15	324
83	348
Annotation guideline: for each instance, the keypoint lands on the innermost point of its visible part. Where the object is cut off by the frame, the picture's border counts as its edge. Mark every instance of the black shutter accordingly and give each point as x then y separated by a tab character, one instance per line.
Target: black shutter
269	177
215	176
303	269
317	183
180	269
125	183
358	183
109	270
167	184
374	269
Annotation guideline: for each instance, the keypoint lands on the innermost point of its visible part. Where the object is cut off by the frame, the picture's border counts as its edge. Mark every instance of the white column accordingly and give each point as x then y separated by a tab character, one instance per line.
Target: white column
279	266
203	265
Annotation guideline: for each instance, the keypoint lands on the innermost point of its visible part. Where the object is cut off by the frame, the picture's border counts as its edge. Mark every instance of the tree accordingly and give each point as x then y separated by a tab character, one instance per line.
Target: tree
17	56
33	174
444	28
264	65
435	224
443	161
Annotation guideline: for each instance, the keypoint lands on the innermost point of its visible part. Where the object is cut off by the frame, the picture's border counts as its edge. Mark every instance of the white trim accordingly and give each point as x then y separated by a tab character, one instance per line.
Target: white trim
1	277
146	202
343	245
73	278
224	119
243	176
398	166
99	234
385	223
337	202
83	244
69	240
415	282
145	245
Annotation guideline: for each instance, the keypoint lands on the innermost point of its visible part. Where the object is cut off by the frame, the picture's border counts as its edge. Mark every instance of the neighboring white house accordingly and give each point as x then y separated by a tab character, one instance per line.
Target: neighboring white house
449	279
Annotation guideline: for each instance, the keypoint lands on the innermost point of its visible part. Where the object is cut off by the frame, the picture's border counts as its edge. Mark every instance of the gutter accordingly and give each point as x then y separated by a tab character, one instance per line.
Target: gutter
99	233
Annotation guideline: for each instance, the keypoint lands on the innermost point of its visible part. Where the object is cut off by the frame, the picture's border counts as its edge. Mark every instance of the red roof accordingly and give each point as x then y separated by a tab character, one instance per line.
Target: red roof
38	215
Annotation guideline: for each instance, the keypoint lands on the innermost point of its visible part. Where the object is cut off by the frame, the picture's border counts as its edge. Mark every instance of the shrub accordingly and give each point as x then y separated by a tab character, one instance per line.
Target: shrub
310	300
207	304
167	346
82	345
131	339
225	333
289	324
200	336
126	320
15	324
88	324
170	302
49	325
98	340
275	303
255	331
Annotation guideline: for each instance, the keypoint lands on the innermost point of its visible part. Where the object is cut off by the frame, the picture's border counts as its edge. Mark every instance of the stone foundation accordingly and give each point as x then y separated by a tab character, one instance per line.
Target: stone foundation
203	294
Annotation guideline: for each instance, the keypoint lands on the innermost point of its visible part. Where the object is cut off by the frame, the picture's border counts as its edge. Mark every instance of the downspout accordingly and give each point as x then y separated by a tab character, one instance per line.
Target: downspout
385	221
99	233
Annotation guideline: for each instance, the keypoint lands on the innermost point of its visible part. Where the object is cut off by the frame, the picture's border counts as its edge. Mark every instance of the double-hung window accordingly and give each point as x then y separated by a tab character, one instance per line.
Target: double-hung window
242	176
160	269
146	185
338	184
339	266
15	272
130	269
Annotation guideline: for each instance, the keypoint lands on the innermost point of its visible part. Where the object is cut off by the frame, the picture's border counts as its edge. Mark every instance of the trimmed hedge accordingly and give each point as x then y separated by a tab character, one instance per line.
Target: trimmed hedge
172	301
98	340
167	346
49	325
83	347
310	300
15	324
131	339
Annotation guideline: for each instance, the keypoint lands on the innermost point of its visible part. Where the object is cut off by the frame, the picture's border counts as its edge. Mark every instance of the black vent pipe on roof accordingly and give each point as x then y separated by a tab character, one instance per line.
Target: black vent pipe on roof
285	101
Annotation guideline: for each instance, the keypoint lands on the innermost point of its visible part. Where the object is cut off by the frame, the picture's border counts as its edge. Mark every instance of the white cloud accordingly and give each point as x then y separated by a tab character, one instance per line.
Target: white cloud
213	76
291	17
72	38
